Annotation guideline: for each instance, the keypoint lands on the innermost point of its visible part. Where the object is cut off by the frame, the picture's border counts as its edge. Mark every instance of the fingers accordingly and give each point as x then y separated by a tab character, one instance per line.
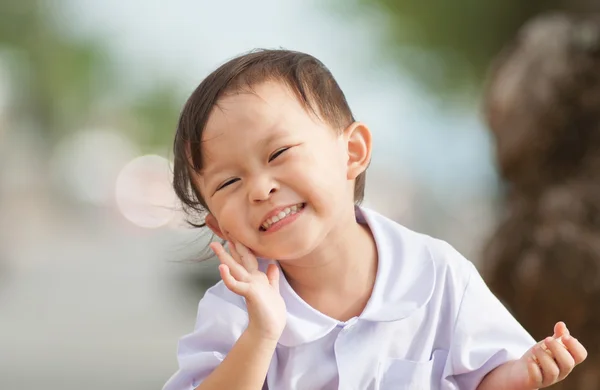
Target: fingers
247	258
273	276
535	373
560	329
556	357
576	349
235	269
236	256
236	287
243	255
239	270
548	366
562	357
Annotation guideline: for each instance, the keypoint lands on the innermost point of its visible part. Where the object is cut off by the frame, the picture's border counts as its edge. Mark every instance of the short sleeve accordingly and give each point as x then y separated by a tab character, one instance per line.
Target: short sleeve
221	320
485	335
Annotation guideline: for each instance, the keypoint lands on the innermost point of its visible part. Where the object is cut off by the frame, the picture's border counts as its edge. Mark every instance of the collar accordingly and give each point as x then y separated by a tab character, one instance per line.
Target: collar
404	283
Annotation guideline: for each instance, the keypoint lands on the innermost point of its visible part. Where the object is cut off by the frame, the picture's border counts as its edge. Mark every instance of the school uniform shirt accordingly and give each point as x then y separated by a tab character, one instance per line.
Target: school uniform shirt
431	323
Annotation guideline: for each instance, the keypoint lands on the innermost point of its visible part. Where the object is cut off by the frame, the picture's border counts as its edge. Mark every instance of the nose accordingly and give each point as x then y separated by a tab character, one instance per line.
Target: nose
261	189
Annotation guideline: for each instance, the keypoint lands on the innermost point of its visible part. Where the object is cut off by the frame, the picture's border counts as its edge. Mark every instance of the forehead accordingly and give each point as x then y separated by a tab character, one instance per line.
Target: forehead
257	110
251	119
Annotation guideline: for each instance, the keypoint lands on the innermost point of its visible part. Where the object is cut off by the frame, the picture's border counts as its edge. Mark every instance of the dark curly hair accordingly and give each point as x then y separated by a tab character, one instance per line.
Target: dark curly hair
542	105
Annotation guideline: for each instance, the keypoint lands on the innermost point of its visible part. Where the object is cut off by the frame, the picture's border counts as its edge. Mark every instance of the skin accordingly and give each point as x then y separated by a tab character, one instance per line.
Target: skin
546	363
264	150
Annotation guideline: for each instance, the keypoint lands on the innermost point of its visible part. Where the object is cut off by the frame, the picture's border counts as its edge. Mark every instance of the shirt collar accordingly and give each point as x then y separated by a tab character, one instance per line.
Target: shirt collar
404	283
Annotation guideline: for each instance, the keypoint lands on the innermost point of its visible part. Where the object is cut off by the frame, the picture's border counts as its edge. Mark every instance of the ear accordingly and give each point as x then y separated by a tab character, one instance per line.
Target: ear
213	225
358	138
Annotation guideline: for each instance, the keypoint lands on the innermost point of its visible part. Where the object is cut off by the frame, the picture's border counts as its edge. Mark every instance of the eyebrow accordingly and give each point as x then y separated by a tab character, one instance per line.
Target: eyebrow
264	141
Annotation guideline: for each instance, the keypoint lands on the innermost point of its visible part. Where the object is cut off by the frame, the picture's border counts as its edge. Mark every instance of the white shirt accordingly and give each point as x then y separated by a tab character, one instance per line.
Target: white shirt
431	323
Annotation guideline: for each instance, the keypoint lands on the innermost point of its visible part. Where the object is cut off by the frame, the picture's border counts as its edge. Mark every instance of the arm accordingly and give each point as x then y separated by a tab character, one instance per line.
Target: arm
236	331
493	351
546	363
245	367
485	335
496	379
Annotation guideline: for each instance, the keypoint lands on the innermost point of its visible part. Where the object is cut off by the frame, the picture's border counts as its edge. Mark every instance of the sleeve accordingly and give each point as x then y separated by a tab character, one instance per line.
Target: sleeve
219	324
485	335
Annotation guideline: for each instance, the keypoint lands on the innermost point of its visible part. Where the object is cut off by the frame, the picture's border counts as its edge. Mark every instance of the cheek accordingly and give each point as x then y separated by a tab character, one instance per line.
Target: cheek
223	212
232	218
319	177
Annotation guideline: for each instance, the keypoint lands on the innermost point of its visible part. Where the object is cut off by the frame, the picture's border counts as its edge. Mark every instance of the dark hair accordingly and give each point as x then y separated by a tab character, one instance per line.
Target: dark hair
307	77
543	108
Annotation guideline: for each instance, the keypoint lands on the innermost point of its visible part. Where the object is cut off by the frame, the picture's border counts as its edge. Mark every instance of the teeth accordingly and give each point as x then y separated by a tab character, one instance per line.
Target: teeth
282	214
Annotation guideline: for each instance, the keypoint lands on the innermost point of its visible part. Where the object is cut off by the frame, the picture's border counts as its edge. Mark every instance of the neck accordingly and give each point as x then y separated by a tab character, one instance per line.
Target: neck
342	269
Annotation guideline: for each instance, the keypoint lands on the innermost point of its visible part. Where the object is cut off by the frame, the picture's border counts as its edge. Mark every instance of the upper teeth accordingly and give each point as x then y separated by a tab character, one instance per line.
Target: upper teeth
281	215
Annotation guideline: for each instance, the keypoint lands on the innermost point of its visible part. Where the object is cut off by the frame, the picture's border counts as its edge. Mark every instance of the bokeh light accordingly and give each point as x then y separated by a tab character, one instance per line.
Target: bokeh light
143	191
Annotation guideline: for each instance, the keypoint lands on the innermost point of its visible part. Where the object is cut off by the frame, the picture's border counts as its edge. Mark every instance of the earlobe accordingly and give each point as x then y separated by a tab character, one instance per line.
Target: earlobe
213	224
359	141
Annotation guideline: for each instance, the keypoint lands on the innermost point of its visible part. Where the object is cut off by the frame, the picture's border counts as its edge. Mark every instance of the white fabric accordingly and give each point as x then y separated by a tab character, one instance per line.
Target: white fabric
431	323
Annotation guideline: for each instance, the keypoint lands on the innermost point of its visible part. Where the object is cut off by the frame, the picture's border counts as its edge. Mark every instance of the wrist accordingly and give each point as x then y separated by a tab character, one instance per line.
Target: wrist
266	339
507	376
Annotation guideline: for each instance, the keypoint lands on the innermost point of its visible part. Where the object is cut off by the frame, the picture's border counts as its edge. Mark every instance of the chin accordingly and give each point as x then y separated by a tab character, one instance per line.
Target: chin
295	249
281	254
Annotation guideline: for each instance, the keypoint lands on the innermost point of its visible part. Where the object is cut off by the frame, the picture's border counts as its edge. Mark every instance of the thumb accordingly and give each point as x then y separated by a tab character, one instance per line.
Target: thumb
273	276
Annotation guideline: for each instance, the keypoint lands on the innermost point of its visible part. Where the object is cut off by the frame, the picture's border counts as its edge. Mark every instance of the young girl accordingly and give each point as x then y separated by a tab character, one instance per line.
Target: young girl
319	293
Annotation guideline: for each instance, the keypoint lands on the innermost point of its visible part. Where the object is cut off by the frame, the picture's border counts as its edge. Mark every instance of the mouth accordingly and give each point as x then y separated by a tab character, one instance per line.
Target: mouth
281	216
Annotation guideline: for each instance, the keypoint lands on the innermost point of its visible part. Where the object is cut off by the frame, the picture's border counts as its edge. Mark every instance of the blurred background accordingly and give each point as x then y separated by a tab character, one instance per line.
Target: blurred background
96	278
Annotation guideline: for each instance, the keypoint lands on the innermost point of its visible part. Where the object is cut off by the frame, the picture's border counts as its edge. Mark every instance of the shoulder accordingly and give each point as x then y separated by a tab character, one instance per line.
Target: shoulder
416	271
410	248
449	262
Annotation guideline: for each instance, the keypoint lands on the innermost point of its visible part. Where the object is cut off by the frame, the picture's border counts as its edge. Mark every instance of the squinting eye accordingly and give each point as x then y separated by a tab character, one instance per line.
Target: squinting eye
277	154
228	182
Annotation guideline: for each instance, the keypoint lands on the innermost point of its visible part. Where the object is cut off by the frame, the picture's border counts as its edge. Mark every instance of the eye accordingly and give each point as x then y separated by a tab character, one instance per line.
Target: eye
277	153
225	184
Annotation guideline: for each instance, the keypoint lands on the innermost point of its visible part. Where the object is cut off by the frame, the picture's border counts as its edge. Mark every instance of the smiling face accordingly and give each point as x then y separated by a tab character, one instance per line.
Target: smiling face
275	177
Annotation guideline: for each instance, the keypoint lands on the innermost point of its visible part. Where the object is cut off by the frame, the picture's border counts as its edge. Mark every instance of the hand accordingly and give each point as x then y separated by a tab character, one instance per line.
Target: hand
240	273
549	361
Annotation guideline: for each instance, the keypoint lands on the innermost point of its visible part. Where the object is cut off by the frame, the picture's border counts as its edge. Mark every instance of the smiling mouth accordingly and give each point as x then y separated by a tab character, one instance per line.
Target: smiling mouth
283	214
